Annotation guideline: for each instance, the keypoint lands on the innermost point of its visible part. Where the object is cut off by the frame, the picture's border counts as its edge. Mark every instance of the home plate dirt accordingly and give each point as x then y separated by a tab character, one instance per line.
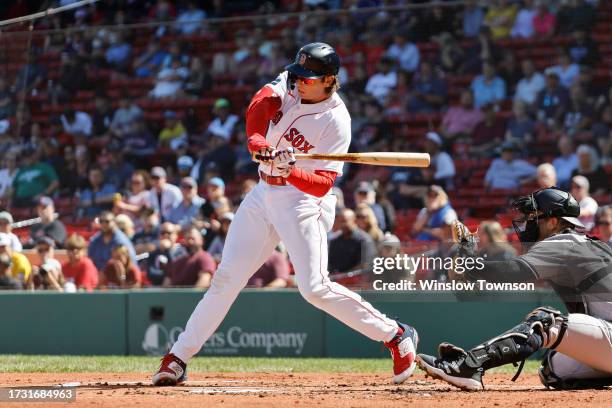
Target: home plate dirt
286	389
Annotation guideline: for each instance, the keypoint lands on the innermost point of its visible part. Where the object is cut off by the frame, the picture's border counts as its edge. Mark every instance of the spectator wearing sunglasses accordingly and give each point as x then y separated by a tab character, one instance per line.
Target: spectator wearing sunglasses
108	238
188	209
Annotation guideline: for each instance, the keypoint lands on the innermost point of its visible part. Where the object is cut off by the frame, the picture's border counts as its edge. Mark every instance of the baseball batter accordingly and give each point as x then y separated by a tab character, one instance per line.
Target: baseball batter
298	111
579	268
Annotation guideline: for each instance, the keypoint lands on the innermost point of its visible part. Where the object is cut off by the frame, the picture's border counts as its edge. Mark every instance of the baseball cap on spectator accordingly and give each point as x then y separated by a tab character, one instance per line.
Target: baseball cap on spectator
228	216
158	171
364	187
45	201
184	162
390	240
581	182
216	181
5	240
170	115
508	146
44	240
221	103
5	215
188	182
434	137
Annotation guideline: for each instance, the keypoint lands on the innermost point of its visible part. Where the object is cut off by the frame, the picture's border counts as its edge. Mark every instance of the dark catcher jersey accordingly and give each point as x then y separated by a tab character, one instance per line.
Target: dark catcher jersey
579	268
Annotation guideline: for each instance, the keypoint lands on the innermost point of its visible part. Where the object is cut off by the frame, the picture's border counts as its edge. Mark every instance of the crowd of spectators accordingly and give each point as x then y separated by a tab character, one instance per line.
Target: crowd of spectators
154	189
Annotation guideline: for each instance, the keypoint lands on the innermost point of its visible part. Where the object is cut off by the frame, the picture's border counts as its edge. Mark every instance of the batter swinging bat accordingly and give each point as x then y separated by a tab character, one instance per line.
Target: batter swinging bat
374	158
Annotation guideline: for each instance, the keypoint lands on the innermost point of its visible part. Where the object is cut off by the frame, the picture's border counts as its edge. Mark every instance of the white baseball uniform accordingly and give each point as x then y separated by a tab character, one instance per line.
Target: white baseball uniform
272	213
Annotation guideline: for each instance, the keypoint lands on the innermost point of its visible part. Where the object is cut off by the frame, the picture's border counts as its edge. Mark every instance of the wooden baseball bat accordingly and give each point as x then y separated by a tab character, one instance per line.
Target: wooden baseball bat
374	158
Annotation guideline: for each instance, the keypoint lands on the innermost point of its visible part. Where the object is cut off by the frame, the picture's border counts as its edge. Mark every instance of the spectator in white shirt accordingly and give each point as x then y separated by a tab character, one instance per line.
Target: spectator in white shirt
380	84
565	69
170	80
523	23
190	20
163	196
547	176
579	188
567	162
223	124
6	222
76	123
440	160
404	52
530	85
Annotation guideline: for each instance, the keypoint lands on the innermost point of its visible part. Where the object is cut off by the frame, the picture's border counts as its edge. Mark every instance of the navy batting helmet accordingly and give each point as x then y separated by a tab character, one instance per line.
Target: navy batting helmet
315	60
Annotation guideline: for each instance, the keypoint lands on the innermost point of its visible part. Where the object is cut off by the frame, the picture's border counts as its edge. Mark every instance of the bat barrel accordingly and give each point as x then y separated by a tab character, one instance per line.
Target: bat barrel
401	159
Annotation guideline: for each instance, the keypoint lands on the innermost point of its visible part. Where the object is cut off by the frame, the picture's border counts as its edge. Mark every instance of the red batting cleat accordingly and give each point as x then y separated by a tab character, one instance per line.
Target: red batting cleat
403	350
172	371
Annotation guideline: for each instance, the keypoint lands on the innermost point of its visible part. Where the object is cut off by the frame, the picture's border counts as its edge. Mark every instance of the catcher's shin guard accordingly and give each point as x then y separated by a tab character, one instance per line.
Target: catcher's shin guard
464	369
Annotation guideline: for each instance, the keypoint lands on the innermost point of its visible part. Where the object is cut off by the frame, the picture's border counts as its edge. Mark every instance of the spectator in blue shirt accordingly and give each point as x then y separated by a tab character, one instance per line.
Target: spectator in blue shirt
433	223
488	87
508	172
566	162
190	20
147	64
108	238
98	196
473	17
428	91
118	52
189	208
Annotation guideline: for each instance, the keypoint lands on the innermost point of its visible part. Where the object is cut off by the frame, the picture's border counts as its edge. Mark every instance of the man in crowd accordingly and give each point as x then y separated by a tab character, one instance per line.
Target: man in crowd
108	238
47	274
33	179
508	172
274	273
189	208
567	161
164	196
530	85
99	196
440	160
489	88
546	175
6	221
167	251
349	247
579	188
194	269
50	225
461	120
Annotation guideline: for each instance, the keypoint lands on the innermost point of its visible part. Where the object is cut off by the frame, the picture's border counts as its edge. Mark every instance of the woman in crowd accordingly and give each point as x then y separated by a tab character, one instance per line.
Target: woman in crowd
493	242
367	222
120	272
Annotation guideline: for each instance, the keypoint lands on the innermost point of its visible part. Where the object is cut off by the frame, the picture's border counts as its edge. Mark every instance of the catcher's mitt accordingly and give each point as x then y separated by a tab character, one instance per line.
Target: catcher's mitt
461	233
466	245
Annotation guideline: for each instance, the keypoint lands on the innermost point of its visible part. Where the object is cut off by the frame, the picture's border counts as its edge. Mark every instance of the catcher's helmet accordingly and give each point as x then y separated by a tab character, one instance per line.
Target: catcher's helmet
550	202
315	60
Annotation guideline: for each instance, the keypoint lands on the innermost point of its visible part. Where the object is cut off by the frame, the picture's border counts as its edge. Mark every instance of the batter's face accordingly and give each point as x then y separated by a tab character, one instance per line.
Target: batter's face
313	90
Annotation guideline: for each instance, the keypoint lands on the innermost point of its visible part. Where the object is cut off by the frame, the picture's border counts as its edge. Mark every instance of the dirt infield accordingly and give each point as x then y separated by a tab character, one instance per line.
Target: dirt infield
313	389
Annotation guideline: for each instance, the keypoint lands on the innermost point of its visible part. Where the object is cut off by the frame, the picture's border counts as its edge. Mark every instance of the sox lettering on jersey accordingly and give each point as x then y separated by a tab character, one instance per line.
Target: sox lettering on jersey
298	140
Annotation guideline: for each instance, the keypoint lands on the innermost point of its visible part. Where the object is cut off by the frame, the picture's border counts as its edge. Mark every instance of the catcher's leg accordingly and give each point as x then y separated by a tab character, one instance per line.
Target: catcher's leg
542	327
584	355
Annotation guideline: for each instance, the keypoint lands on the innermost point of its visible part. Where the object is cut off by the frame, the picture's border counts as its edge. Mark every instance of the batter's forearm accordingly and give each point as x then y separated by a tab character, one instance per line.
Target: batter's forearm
317	184
261	110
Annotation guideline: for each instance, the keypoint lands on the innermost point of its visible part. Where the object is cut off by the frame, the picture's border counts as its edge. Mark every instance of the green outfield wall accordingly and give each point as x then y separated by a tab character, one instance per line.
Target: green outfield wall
261	323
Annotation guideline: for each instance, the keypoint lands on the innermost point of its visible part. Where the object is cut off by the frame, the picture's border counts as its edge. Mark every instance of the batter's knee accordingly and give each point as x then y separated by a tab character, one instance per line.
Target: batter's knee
225	283
313	294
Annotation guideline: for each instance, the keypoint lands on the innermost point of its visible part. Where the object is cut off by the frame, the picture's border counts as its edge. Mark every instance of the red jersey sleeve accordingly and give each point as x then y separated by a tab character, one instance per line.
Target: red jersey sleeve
316	184
261	110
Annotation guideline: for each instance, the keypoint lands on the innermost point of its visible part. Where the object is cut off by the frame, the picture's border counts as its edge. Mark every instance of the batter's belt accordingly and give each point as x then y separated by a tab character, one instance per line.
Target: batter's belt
273	180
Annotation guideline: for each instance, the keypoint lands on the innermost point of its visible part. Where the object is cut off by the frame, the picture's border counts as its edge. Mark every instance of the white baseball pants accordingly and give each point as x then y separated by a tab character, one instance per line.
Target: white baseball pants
267	215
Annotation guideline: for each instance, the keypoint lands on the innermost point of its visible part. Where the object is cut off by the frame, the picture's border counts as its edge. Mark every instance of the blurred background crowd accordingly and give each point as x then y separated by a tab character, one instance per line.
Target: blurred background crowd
122	129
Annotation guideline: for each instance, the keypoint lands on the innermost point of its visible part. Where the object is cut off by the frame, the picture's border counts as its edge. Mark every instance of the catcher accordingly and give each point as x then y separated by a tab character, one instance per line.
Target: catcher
579	268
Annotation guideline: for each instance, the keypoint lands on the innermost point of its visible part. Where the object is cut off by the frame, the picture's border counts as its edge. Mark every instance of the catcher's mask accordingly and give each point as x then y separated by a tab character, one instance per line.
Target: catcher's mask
544	203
